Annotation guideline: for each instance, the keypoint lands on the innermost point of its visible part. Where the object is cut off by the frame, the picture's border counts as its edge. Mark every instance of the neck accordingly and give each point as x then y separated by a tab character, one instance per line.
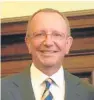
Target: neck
48	70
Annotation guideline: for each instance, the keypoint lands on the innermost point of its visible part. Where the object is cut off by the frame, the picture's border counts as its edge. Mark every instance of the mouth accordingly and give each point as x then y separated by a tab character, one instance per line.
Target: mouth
48	51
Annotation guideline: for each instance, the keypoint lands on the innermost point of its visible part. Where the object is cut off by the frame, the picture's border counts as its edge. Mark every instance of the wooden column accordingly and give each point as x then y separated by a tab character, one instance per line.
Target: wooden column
93	77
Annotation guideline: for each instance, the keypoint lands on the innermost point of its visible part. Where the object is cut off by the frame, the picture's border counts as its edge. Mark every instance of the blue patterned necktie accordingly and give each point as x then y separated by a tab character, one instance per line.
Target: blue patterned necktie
47	94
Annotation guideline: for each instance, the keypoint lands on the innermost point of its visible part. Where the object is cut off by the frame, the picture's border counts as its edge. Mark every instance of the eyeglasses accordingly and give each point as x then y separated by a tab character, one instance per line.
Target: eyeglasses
43	35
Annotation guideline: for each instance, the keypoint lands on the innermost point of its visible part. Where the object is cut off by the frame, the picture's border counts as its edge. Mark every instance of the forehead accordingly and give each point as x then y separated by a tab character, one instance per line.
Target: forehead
47	20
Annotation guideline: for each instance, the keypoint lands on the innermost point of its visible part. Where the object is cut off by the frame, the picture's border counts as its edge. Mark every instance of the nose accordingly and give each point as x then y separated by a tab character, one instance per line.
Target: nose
48	40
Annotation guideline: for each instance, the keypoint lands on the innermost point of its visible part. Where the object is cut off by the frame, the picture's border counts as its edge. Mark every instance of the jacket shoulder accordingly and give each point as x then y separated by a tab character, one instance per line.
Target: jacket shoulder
80	82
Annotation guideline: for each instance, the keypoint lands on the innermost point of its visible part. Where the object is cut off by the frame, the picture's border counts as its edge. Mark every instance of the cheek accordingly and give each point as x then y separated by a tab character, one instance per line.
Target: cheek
61	45
35	45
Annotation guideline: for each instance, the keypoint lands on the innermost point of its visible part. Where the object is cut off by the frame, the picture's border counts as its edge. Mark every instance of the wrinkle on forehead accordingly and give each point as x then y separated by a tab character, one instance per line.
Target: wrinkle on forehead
51	17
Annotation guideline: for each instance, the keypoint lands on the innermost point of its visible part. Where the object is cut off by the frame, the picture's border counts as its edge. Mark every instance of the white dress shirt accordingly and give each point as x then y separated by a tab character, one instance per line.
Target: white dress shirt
57	89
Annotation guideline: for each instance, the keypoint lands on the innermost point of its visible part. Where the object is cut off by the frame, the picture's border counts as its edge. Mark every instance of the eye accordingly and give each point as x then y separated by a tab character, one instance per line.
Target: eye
39	34
57	34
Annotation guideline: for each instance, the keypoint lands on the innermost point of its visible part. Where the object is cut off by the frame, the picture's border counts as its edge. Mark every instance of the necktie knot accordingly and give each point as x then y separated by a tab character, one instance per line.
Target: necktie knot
48	83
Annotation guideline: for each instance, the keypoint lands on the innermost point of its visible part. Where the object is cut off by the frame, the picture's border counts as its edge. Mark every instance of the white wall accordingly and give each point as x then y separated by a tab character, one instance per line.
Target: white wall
26	8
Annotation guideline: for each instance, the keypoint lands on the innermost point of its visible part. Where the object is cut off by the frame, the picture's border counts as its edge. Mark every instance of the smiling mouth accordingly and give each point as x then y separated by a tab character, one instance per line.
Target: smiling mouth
48	51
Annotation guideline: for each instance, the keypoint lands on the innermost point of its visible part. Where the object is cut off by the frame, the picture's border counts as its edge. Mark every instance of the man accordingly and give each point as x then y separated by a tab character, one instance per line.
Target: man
48	39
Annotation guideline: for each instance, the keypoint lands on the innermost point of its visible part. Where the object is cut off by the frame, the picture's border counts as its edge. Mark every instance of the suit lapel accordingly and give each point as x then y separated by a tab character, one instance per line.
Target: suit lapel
71	83
23	81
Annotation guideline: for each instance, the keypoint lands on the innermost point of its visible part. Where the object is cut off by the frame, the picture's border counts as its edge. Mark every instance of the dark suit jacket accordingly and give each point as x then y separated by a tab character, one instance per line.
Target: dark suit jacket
19	87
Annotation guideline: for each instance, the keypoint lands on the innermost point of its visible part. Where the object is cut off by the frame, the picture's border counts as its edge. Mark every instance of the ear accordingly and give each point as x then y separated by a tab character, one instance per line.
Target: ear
27	41
68	44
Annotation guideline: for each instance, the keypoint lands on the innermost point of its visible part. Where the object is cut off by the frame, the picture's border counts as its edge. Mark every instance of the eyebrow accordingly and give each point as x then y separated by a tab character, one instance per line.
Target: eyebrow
46	31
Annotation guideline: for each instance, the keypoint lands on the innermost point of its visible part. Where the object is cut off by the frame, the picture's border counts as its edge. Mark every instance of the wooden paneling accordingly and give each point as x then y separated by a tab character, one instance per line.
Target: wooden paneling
15	55
93	77
74	64
83	44
20	48
80	19
79	63
14	49
13	28
12	67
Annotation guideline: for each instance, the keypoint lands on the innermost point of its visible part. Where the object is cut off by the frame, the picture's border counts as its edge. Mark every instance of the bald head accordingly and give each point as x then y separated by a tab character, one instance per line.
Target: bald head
49	11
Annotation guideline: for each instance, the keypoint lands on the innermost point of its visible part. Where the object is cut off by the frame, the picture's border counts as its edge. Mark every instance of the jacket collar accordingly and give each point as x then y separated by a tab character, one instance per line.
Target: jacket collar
72	84
23	82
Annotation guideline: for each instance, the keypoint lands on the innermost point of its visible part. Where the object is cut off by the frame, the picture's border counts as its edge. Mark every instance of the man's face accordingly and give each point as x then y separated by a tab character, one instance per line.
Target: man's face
49	41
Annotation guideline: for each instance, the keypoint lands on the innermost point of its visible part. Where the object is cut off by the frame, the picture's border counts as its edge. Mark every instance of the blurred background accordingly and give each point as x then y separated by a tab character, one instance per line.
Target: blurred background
14	53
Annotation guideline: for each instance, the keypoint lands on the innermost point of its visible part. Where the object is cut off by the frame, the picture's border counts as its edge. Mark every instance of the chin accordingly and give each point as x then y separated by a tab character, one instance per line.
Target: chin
48	63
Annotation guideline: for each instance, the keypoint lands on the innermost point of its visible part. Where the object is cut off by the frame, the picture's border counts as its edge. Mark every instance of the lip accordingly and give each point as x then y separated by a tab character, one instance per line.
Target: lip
48	52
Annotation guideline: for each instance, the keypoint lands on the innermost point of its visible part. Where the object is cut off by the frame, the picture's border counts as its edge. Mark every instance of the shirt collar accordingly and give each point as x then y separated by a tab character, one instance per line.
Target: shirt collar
38	77
58	77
